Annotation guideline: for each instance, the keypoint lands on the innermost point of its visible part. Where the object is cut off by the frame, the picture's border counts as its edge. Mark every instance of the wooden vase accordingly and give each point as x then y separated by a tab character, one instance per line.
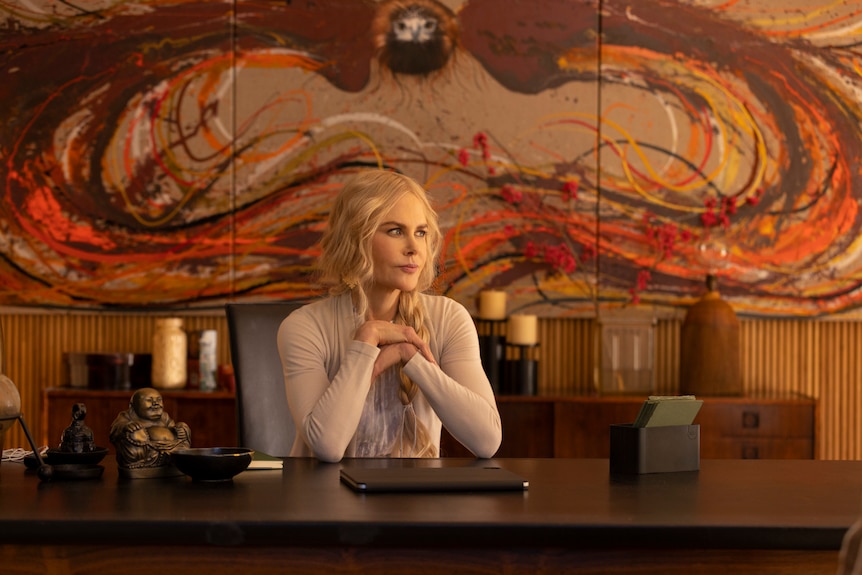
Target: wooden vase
709	347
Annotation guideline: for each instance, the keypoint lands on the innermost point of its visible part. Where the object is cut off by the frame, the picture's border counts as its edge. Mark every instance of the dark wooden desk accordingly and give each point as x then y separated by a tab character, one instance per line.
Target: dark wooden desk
733	516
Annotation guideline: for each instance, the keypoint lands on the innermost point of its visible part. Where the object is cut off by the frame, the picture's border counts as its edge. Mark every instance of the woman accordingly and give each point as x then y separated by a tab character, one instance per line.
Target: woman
378	367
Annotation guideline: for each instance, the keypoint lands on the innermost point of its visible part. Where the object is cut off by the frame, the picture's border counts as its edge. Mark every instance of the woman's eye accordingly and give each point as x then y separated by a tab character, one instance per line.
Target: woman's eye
394	232
421	233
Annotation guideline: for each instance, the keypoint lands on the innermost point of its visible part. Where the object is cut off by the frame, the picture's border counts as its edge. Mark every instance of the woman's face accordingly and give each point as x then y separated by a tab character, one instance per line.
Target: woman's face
399	248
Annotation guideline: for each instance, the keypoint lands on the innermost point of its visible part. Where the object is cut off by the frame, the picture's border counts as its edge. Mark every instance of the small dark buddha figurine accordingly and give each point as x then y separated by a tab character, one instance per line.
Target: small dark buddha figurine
144	436
78	437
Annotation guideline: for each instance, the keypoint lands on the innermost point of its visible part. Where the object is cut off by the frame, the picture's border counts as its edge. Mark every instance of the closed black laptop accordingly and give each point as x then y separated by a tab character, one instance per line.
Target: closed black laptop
416	479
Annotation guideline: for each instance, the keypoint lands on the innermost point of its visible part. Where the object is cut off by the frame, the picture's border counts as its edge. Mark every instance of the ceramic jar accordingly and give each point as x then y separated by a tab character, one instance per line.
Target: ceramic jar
709	347
10	405
170	354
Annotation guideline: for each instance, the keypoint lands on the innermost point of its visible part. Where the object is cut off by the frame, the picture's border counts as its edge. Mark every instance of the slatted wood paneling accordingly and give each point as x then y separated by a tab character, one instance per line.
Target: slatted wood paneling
566	361
838	389
820	359
34	344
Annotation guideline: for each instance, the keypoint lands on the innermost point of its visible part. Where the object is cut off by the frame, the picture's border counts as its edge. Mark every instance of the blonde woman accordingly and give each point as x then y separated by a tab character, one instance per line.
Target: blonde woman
378	367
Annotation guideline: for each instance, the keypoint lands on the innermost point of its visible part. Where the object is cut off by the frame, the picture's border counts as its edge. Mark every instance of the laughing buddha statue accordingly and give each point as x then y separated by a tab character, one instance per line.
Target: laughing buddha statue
144	436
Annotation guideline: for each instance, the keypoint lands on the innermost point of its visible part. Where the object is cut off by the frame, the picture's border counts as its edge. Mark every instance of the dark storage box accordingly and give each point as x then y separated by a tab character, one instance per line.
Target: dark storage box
654	449
108	370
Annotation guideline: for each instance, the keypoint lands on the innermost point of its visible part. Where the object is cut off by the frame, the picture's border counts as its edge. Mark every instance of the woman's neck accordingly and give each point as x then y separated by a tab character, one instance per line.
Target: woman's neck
383	306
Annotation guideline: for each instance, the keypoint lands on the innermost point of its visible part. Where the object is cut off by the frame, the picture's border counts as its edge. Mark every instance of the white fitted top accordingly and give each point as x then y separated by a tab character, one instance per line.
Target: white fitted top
339	412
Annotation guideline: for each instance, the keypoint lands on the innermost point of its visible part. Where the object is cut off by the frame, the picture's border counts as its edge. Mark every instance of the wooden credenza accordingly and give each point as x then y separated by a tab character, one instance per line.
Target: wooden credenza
573	426
211	416
566	426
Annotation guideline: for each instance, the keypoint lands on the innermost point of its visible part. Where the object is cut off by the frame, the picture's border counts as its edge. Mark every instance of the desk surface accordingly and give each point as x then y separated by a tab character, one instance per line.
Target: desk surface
571	503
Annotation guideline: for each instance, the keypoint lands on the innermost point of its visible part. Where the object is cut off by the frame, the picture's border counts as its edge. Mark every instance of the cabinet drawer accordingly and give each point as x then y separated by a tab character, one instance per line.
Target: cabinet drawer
755	448
778	420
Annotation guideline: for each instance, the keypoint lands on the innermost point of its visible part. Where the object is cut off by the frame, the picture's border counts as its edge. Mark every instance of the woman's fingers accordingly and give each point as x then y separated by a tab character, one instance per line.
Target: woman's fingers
382	333
389	355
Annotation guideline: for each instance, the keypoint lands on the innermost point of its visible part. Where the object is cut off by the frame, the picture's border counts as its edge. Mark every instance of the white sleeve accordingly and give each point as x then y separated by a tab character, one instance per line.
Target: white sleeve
326	413
458	389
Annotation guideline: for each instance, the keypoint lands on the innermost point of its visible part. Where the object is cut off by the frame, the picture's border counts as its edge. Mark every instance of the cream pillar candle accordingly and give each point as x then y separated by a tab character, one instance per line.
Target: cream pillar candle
522	330
492	304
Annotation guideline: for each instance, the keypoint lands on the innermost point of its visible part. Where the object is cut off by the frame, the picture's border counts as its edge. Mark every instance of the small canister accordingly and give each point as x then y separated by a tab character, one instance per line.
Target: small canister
208	344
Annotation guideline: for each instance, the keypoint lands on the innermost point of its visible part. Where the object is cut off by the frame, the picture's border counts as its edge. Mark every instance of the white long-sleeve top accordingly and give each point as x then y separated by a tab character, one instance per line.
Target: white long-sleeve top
339	412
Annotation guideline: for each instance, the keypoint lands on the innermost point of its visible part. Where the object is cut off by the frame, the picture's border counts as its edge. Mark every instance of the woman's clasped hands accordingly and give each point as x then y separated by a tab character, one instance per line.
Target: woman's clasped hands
398	344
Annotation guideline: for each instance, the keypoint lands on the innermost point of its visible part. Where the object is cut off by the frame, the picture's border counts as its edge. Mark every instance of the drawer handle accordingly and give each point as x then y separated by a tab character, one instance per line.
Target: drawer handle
750	420
750	452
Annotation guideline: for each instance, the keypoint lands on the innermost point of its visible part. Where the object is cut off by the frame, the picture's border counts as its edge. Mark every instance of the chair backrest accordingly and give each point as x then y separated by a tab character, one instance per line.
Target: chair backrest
264	422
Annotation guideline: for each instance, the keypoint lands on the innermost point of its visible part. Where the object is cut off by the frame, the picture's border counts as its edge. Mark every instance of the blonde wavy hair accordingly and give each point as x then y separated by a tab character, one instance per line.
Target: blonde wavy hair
346	263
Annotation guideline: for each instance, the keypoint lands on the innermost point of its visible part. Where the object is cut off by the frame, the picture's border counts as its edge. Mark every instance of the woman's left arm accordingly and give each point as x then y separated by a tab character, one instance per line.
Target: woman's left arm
457	388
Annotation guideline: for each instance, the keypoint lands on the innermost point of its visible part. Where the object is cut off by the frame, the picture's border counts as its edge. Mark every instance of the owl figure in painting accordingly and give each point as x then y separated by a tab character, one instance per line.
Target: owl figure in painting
414	37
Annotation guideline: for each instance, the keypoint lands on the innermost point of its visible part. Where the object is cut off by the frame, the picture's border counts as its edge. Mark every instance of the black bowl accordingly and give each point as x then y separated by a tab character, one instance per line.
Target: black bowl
212	463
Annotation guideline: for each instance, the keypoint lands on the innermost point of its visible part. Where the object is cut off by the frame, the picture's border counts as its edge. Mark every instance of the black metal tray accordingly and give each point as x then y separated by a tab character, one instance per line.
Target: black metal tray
57	457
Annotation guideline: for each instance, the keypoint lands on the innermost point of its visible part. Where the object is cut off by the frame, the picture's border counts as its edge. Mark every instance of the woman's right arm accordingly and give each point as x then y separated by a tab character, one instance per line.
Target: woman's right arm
326	412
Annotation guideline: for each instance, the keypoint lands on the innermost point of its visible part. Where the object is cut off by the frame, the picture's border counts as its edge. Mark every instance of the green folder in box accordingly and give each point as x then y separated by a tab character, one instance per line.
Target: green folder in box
663	410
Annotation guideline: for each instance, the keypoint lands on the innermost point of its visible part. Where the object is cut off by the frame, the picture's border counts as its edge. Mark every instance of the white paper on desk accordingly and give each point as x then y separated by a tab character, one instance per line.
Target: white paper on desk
261	460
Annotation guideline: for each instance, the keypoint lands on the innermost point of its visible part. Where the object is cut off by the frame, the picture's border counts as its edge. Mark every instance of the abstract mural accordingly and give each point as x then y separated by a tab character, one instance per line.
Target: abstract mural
166	153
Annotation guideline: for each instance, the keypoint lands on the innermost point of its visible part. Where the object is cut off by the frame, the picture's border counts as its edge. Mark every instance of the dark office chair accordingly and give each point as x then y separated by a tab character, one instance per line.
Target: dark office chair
263	419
